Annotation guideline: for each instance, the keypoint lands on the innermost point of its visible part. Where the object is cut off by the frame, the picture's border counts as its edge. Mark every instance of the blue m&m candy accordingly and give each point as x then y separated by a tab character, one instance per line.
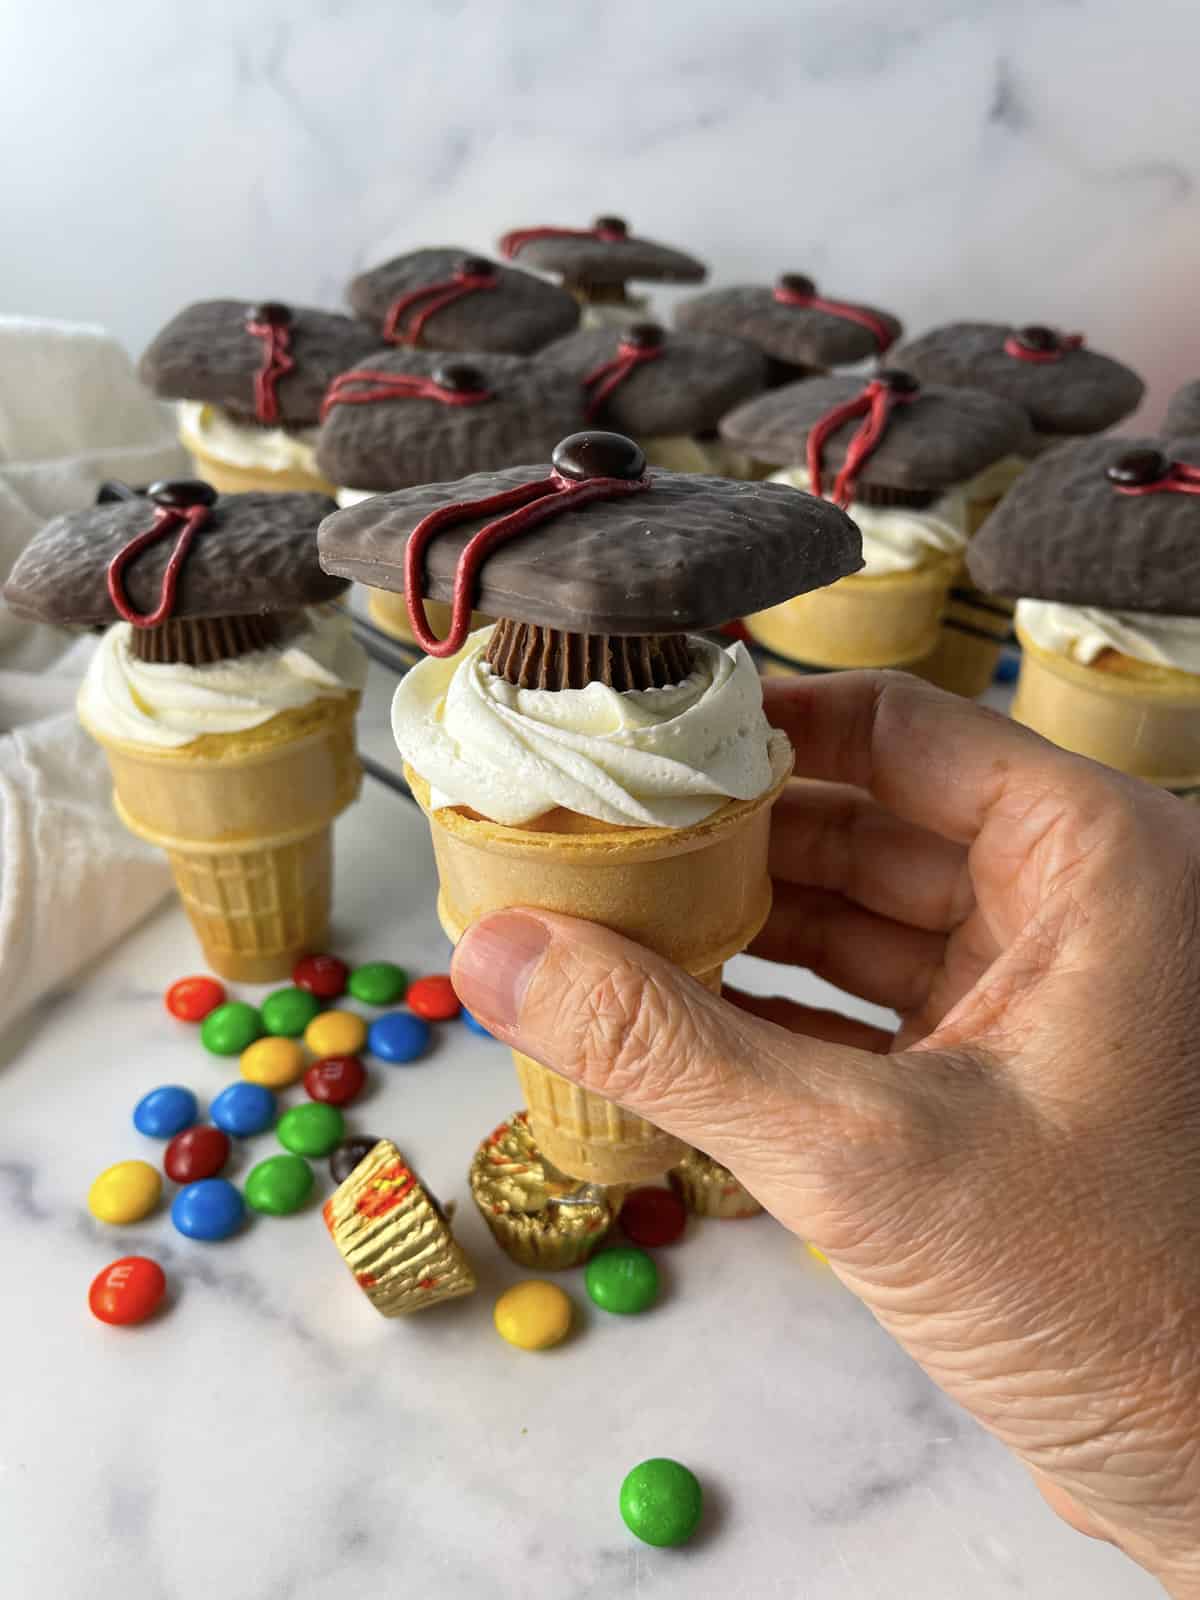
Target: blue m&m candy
209	1209
398	1036
474	1025
164	1112
243	1109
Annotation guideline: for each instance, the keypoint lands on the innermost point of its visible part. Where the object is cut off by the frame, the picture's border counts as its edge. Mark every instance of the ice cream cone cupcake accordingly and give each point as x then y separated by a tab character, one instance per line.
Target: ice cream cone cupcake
223	694
597	264
249	380
587	754
395	1238
1099	539
413	417
1067	391
666	390
801	331
1183	412
708	1189
537	1215
895	456
451	300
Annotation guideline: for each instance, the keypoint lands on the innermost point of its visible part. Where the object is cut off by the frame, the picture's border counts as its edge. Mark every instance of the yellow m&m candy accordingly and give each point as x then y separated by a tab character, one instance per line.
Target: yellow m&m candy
533	1315
274	1062
336	1033
125	1193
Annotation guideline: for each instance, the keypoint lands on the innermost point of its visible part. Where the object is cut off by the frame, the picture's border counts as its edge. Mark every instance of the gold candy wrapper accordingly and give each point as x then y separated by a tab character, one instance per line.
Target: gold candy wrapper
538	1216
394	1238
708	1189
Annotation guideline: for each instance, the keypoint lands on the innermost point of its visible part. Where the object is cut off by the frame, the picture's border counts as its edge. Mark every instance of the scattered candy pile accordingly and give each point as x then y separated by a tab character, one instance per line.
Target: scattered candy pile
271	1057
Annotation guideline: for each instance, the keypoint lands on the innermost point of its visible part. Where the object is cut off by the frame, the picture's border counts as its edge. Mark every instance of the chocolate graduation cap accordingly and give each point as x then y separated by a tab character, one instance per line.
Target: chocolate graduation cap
200	576
605	255
449	300
267	363
596	567
1064	387
1112	523
792	322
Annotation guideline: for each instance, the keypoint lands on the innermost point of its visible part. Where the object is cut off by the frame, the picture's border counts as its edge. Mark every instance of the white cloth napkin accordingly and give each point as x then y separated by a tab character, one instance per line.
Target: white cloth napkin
72	879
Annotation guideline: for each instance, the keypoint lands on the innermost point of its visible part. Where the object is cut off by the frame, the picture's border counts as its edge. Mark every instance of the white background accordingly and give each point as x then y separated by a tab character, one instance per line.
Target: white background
944	157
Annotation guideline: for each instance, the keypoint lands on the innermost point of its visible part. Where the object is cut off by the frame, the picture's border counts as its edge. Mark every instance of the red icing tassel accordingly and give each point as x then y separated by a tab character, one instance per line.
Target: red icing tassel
642	343
517	510
1150	472
874	404
450	386
794	290
470	276
607	230
272	323
1039	345
186	519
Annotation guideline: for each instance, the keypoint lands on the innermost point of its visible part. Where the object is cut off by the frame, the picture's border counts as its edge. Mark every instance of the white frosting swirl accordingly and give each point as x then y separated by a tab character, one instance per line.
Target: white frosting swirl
898	538
1083	633
354	497
651	758
209	428
683	452
596	314
171	703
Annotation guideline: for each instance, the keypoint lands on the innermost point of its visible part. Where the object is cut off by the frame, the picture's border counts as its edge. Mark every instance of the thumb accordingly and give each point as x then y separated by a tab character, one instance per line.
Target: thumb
787	1114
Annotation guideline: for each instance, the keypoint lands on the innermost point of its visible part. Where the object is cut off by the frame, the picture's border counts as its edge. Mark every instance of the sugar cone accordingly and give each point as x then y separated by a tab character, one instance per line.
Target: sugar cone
246	821
696	895
885	621
226	478
389	613
1139	719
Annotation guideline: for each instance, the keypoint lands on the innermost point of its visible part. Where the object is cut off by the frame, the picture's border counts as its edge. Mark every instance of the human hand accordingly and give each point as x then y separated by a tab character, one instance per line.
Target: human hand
1012	1182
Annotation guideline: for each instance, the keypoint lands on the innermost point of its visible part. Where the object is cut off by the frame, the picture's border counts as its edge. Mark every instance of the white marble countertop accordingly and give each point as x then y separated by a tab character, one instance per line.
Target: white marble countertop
270	1437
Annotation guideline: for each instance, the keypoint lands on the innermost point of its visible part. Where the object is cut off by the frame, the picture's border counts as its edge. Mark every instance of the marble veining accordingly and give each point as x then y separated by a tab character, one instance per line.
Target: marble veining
270	1437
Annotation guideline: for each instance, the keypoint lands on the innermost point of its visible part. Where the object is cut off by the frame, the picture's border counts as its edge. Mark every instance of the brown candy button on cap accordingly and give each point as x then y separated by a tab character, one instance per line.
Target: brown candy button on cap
256	554
516	316
1183	412
593	454
684	553
936	439
610	254
1079	392
208	353
805	336
1067	532
796	283
685	389
406	439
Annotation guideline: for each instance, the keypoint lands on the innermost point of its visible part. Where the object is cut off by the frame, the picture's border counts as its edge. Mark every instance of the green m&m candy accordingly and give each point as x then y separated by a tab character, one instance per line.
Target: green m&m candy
279	1185
378	983
289	1011
624	1280
229	1029
661	1502
312	1129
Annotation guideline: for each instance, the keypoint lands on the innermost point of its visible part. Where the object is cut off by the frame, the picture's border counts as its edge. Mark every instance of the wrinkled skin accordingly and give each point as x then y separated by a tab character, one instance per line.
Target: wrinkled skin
1012	1182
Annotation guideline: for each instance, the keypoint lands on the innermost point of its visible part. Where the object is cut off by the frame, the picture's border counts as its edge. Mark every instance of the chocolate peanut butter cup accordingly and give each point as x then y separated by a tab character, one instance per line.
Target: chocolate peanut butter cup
1064	387
264	363
449	299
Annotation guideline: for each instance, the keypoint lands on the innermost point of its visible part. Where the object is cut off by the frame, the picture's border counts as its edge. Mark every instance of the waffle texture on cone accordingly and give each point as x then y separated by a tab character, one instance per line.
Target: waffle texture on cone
708	1189
537	1215
394	1239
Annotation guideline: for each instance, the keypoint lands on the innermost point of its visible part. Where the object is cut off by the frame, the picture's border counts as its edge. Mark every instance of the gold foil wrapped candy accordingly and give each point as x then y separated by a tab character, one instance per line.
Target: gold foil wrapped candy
708	1189
394	1238
537	1215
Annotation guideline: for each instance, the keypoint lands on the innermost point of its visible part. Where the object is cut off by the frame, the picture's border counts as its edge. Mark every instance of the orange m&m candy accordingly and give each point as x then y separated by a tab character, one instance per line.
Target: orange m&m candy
191	999
127	1291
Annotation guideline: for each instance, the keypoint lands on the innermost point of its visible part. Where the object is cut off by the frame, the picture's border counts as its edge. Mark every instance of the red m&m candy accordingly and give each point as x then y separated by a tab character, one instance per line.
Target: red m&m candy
198	1152
653	1217
127	1291
324	976
335	1080
433	998
191	999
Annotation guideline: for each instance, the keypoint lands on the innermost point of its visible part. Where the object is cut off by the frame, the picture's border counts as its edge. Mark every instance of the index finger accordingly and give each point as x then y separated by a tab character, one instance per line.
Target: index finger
933	758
